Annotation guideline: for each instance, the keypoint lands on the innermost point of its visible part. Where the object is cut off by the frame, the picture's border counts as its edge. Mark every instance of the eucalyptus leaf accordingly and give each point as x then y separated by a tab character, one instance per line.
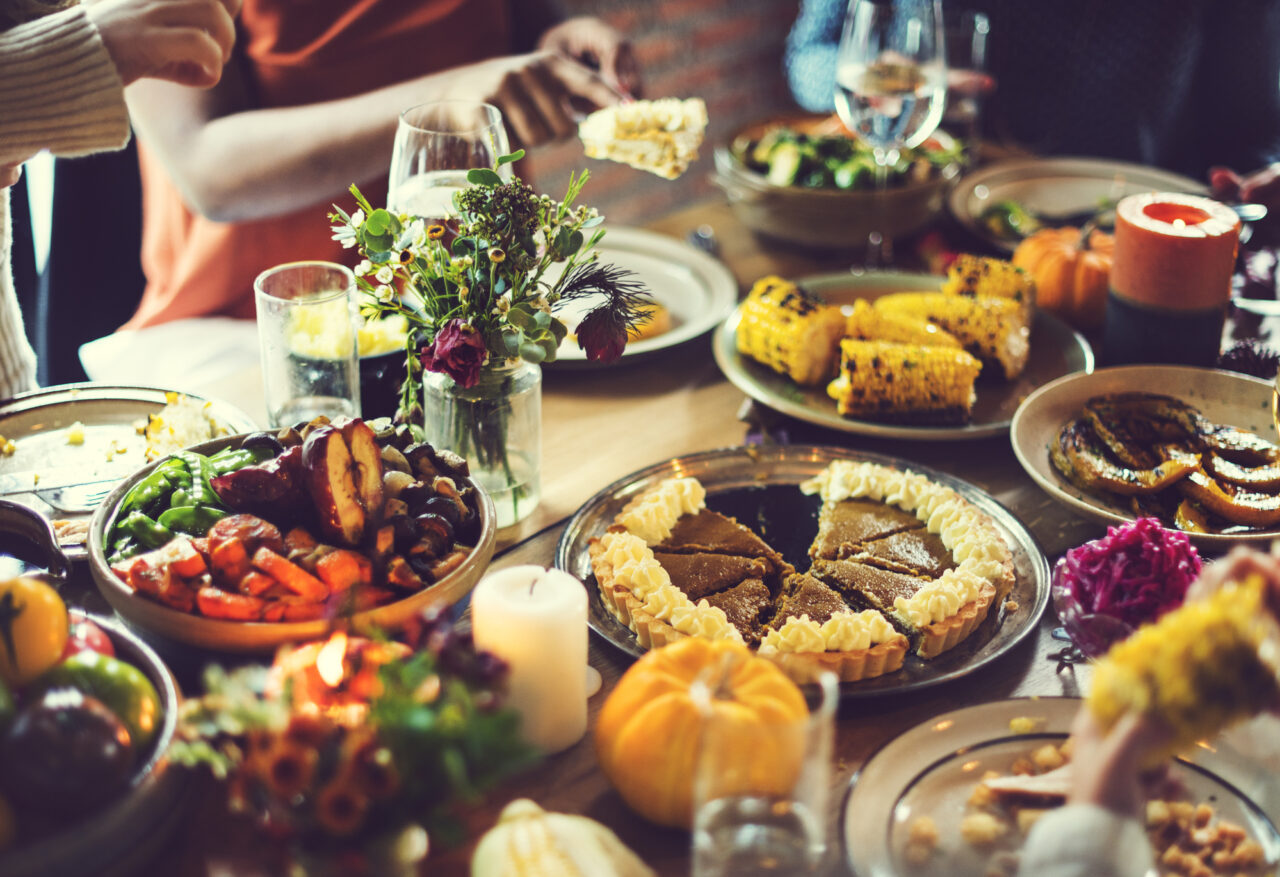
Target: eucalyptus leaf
521	319
548	346
482	176
378	223
541	319
531	352
575	242
511	343
558	329
592	222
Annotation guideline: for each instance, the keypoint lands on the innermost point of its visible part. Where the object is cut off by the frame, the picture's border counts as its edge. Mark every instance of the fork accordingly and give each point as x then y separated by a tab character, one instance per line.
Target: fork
77	498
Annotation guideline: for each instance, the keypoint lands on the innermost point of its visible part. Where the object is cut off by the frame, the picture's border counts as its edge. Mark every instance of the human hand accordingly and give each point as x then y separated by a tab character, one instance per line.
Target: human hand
182	41
1237	565
590	41
1258	187
1106	766
10	174
970	83
534	93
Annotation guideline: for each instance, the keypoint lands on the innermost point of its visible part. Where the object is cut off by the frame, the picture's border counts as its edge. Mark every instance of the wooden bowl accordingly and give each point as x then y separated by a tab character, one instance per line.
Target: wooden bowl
261	636
830	218
123	835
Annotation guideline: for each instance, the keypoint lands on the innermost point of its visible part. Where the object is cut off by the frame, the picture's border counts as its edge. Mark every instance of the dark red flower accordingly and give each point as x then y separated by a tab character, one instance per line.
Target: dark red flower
603	335
458	351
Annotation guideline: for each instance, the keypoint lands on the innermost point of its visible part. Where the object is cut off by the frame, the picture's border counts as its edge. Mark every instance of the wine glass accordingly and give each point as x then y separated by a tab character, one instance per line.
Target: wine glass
436	144
891	84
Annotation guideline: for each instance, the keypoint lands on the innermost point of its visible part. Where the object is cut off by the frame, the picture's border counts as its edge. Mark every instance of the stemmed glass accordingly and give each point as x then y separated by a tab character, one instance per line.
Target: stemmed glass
891	84
436	144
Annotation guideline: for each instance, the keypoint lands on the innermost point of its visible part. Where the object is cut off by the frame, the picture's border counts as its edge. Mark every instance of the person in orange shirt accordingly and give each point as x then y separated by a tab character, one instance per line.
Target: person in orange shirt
240	178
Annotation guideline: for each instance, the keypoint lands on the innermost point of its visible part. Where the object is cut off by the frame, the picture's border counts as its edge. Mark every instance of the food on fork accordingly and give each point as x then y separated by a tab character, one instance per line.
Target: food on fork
659	136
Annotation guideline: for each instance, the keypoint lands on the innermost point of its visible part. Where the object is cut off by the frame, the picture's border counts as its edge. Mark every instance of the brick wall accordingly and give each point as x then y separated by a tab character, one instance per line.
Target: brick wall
728	52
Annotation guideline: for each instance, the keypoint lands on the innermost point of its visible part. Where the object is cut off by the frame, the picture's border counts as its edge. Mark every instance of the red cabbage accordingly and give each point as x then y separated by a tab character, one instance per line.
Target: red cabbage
1136	573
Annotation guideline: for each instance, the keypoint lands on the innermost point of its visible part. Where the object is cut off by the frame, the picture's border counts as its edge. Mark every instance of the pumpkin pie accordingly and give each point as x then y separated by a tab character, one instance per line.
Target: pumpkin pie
898	562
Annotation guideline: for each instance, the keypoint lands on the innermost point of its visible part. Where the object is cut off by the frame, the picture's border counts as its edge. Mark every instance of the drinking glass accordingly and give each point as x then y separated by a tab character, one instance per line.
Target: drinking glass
766	815
307	321
966	50
436	144
891	84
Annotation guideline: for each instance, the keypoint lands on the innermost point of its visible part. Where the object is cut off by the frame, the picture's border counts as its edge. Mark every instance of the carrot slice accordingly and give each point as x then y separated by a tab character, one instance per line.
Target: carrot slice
217	603
230	560
255	584
292	576
342	568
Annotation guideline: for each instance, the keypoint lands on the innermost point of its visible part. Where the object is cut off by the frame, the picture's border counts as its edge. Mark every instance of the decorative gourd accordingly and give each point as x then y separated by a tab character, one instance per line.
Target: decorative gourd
1071	270
530	842
650	729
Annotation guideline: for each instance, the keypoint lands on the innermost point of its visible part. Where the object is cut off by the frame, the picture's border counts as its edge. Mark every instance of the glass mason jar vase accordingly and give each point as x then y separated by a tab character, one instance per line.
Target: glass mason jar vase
497	426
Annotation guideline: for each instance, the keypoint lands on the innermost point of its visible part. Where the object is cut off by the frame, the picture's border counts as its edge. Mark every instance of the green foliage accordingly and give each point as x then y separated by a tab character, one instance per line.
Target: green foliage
491	269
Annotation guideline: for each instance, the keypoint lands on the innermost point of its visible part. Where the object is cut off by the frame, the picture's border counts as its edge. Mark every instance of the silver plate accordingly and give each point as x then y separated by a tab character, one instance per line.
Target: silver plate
38	424
1056	350
757	486
931	769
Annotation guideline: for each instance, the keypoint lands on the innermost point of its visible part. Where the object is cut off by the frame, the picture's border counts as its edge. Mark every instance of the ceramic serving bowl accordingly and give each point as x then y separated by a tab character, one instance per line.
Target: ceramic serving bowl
828	218
257	636
123	835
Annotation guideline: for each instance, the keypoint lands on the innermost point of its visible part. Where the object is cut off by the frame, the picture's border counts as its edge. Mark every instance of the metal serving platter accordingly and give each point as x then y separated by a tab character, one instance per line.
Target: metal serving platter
72	478
758	486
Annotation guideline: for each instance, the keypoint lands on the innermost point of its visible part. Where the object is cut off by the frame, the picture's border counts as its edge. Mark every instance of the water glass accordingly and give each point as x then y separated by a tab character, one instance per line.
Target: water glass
436	144
307	319
767	816
966	48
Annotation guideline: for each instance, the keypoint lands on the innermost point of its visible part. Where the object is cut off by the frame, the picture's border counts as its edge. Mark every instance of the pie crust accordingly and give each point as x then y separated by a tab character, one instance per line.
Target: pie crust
942	511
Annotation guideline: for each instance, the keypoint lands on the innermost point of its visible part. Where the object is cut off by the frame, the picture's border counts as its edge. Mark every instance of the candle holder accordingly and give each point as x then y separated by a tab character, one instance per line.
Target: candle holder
348	751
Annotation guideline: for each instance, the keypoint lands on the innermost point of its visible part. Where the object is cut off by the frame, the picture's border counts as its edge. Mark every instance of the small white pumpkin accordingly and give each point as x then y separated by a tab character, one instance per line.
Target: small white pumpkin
530	842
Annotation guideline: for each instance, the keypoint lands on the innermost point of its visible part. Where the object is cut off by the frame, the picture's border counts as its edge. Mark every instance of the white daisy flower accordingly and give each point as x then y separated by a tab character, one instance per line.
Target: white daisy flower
363	268
384	294
385	274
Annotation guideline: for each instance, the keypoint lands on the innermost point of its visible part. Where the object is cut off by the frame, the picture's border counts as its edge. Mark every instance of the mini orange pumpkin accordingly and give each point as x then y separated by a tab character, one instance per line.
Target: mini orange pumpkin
650	729
1071	271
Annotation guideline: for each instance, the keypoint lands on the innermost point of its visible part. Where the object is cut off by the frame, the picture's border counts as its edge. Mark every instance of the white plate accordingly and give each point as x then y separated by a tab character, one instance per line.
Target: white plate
1055	186
1222	396
1055	350
931	769
39	424
696	289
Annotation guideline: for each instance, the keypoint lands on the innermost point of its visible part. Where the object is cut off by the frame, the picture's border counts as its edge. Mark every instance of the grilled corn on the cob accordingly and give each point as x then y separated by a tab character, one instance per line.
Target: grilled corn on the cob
1199	668
981	276
790	331
868	324
992	329
905	383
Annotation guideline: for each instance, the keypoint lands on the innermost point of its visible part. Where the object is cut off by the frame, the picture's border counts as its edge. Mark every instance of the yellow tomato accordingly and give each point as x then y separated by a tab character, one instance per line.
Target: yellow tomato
33	629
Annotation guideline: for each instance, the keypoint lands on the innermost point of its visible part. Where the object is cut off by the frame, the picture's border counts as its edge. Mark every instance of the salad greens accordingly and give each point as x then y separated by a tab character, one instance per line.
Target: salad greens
787	157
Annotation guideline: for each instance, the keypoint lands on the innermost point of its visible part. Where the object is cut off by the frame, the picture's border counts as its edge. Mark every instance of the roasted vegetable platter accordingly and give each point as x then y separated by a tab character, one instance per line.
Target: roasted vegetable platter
1200	440
244	543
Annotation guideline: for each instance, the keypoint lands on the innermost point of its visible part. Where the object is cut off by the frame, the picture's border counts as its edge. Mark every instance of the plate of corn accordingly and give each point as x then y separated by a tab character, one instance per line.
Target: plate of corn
914	356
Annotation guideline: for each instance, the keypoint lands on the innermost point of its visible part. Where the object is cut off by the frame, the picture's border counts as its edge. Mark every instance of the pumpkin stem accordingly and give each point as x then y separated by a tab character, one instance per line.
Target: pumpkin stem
1085	232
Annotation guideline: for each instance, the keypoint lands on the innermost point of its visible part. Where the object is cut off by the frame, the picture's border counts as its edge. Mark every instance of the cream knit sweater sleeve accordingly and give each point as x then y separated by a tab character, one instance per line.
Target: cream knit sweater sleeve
58	91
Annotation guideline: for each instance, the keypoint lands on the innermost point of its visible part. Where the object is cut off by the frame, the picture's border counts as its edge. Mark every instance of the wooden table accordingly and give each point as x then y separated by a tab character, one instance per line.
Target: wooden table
600	425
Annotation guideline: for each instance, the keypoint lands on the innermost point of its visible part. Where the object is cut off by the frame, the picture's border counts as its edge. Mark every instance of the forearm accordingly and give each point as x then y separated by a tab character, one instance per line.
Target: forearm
58	90
257	163
811	53
1084	840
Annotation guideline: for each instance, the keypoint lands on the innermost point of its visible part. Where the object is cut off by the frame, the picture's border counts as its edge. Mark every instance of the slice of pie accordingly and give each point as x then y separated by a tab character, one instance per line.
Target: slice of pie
917	552
660	136
703	574
844	527
747	606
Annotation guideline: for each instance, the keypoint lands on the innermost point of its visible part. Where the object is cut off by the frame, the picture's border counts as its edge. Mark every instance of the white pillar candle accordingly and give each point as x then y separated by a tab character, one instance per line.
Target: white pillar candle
535	619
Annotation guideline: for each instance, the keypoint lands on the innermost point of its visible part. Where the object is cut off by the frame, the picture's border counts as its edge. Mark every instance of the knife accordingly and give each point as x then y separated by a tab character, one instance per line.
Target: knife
56	477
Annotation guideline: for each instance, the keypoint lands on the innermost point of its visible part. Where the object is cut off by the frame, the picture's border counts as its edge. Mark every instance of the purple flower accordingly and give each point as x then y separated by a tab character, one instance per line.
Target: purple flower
603	335
458	351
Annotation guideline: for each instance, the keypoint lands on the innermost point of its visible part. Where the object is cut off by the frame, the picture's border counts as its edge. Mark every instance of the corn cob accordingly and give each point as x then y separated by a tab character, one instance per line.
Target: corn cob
790	331
992	329
868	324
981	276
1198	668
880	380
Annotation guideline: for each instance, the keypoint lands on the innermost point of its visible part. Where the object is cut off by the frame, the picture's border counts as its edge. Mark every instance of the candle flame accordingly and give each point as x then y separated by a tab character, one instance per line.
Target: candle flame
329	662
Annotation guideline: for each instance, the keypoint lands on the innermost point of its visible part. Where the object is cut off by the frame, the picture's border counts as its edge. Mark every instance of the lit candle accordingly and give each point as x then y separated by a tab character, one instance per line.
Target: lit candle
535	619
1170	278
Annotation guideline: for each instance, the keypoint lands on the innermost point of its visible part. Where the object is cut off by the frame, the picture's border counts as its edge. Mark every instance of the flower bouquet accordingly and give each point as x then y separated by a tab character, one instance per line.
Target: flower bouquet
485	294
349	751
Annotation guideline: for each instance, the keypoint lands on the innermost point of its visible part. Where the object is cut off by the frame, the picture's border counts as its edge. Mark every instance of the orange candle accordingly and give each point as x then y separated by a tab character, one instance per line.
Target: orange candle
1170	278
